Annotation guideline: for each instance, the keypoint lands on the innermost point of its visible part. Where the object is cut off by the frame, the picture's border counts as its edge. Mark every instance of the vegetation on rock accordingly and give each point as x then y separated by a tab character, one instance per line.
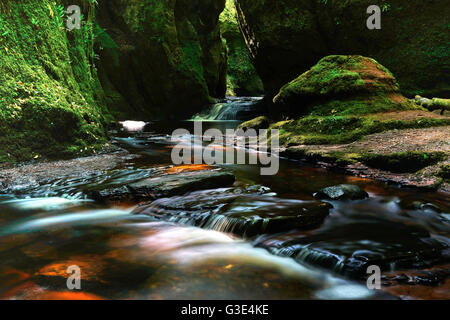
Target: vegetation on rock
341	86
51	102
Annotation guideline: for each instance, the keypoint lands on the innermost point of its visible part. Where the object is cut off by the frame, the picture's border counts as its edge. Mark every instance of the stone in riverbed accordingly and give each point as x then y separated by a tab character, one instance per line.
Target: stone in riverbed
166	185
340	86
241	213
342	192
349	247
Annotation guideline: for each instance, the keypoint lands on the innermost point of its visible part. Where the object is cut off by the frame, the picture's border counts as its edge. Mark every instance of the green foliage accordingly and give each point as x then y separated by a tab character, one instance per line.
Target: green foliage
342	129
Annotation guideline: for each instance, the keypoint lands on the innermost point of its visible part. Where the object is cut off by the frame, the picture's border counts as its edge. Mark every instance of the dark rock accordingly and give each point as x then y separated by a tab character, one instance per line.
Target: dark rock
350	247
171	185
242	213
164	185
342	192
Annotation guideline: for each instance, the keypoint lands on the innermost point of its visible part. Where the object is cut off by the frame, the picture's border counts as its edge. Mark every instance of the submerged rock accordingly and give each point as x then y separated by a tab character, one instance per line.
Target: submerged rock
350	247
342	192
165	185
242	213
342	85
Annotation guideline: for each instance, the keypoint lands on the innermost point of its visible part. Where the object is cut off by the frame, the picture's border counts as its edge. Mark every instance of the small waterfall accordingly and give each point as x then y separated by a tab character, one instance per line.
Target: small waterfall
232	211
231	109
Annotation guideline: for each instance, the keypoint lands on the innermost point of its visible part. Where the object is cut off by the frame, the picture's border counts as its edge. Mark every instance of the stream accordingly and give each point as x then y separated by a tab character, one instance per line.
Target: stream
167	253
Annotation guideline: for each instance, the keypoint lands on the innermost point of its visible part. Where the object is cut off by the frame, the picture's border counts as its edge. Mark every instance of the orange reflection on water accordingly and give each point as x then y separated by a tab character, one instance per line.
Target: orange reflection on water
188	168
90	266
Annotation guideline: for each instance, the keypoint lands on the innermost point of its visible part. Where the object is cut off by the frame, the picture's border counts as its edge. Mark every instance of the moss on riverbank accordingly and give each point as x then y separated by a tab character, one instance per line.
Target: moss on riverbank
313	130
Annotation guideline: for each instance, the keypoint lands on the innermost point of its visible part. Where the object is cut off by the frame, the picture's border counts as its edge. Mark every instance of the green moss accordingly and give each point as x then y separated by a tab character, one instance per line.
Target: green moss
404	161
257	123
51	100
343	129
343	85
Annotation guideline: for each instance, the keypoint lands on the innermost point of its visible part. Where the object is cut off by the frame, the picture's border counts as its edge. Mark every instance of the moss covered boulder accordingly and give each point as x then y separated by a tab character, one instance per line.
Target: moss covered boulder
287	37
342	85
50	96
161	59
242	78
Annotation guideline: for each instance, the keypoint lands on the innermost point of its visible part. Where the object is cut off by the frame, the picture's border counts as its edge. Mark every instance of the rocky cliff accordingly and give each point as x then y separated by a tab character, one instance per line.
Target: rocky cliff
287	37
161	59
50	96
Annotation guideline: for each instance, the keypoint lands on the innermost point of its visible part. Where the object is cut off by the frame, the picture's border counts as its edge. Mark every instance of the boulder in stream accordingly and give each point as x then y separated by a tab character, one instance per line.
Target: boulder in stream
166	185
349	247
242	213
342	192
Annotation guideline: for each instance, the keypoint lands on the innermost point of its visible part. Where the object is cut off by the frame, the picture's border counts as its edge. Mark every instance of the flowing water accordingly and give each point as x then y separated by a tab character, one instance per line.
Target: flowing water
171	253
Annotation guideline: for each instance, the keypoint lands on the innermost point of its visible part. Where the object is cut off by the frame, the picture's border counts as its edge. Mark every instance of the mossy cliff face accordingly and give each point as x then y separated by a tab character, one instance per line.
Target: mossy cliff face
342	86
161	58
287	37
50	98
243	80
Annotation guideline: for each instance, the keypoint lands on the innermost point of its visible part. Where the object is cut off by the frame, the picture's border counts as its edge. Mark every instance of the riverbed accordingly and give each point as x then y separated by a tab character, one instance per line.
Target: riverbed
125	253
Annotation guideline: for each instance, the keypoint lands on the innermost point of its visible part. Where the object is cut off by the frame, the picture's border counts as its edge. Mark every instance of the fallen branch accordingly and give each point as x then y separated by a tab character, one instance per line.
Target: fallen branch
433	104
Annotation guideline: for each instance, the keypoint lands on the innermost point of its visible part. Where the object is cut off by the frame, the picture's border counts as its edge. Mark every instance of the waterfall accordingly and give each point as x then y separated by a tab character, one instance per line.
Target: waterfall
231	109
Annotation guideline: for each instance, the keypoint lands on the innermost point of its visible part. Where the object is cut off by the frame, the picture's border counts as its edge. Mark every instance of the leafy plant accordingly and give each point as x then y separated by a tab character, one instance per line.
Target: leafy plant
60	13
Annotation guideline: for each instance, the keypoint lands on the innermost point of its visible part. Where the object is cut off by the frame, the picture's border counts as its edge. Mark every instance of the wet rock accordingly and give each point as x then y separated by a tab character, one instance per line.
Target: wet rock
244	213
171	185
350	247
166	185
342	192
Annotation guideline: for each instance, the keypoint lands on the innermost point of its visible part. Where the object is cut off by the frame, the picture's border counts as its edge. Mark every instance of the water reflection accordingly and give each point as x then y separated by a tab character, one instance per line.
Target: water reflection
46	227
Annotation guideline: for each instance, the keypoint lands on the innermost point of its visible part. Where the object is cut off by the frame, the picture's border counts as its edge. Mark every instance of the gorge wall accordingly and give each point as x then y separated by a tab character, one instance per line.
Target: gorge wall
287	37
51	102
161	59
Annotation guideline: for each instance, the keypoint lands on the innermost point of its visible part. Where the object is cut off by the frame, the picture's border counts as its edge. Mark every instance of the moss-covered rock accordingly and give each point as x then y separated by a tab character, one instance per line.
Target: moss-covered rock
342	85
50	97
261	122
161	56
287	37
242	79
403	161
